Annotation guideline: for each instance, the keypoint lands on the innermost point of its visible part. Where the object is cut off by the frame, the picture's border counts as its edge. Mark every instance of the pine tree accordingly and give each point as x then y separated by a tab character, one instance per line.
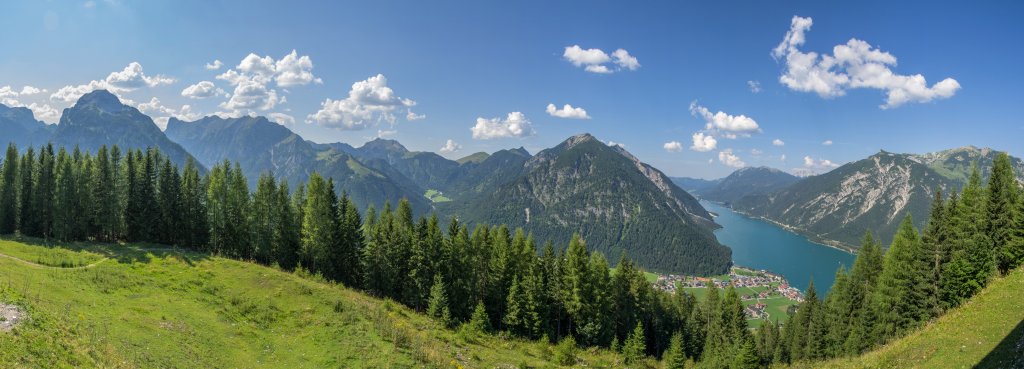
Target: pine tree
1005	224
216	207
64	197
287	239
265	218
44	186
350	242
899	299
972	259
9	191
104	193
26	192
319	226
195	227
933	240
169	200
675	357
479	322
635	348
437	305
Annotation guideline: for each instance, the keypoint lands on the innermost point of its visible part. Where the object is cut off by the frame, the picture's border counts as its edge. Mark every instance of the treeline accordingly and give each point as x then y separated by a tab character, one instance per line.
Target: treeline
494	279
970	237
490	278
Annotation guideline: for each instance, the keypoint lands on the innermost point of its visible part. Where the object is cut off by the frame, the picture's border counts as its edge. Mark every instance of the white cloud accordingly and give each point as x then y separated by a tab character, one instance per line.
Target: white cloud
855	64
756	152
731	125
728	158
515	125
382	133
295	70
217	64
160	113
450	146
89	4
595	60
782	157
778	142
202	90
703	143
129	79
29	90
624	60
567	112
369	101
44	112
754	86
613	144
673	146
814	166
252	95
827	143
281	118
410	116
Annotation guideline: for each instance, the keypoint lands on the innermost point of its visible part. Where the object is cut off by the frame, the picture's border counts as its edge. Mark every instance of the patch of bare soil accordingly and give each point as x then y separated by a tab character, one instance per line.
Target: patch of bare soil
10	316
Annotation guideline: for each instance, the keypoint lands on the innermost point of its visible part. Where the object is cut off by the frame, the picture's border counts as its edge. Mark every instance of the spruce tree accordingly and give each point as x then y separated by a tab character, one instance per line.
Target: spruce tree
634	349
26	192
319	226
675	357
1005	224
437	305
9	191
898	301
265	218
287	239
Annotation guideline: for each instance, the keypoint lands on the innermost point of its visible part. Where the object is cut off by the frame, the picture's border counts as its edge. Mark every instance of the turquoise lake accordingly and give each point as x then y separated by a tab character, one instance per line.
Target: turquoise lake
759	244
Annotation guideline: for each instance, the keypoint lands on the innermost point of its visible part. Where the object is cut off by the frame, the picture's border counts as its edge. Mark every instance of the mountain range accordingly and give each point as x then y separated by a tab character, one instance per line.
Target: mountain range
837	207
616	203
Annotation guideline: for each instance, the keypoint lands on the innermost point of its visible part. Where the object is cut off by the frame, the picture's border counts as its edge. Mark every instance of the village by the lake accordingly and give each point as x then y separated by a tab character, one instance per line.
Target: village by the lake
766	296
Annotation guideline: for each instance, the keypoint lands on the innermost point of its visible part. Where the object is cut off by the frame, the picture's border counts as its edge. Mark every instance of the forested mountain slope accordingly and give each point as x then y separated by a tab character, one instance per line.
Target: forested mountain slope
747	181
614	201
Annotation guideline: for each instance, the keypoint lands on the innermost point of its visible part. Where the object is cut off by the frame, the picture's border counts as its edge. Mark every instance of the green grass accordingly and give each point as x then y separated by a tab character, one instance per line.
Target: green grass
777	304
986	332
62	257
436	196
155	309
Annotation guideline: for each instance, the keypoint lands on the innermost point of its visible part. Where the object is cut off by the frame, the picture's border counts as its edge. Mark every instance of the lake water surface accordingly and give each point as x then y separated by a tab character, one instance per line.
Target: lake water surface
759	244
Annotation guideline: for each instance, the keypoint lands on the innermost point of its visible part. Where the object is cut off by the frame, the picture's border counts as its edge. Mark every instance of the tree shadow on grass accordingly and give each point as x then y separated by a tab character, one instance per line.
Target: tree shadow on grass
122	253
1009	353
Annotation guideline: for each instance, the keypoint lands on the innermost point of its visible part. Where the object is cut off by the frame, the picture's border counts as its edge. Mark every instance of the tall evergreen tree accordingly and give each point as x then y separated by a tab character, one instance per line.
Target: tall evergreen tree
972	259
1005	225
899	299
319	226
635	348
44	186
195	227
9	191
265	218
437	303
26	193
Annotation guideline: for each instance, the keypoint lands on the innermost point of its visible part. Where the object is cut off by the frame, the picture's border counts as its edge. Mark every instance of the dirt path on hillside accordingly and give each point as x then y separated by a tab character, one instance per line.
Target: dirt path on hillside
37	265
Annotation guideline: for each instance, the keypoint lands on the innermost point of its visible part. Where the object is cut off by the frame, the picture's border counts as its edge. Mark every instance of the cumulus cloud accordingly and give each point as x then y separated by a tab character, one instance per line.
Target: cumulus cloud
814	166
368	102
382	133
728	158
624	60
597	61
252	95
215	65
567	111
161	113
673	146
754	86
778	142
756	152
703	143
450	146
827	143
613	144
515	125
202	90
855	64
12	98
256	76
281	118
129	79
729	125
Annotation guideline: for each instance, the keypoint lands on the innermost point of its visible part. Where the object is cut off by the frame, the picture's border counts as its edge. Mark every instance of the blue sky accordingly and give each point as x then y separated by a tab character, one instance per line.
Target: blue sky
459	65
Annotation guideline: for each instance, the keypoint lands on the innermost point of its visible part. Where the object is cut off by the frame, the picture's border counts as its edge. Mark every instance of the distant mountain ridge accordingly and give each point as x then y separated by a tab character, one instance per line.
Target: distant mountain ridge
259	146
747	182
98	118
874	193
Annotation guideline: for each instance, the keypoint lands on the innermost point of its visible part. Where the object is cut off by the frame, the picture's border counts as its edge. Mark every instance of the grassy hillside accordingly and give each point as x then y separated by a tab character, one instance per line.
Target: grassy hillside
127	306
987	332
